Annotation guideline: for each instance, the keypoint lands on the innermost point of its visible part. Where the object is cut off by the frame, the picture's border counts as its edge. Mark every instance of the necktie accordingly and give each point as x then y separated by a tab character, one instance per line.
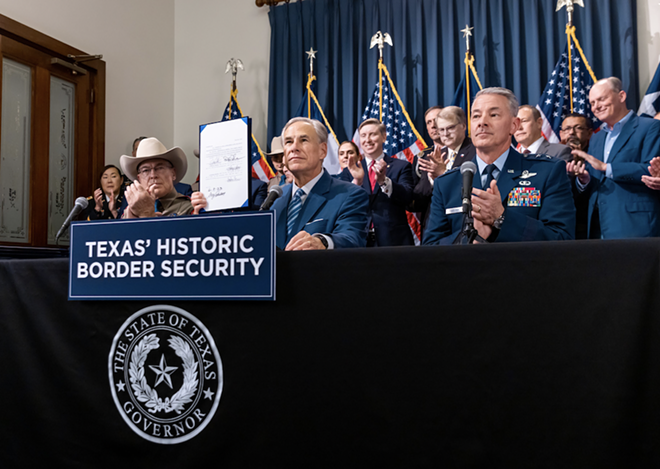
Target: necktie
488	171
452	158
372	175
526	151
294	211
158	206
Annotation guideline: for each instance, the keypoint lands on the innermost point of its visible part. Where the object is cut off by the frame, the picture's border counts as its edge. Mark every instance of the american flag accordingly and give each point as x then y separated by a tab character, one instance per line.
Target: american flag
555	102
260	167
403	140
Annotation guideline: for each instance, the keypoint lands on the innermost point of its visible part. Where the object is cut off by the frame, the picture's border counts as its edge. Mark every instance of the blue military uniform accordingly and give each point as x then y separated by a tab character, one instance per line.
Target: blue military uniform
536	195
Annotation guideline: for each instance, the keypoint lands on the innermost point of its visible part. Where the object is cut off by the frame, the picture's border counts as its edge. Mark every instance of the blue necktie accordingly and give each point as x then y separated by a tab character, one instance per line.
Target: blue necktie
489	172
294	211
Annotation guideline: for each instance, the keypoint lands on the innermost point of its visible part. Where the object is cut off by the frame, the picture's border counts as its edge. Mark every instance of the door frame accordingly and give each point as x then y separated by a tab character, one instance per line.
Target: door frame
88	165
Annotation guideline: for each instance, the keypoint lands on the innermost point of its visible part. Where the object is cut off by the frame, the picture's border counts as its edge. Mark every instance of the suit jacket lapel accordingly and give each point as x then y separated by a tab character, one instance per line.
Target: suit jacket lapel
544	146
511	170
626	132
283	207
476	180
314	201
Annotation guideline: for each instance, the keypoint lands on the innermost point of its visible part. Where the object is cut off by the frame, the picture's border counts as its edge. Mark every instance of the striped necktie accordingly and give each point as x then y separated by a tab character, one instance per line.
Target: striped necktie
451	159
294	211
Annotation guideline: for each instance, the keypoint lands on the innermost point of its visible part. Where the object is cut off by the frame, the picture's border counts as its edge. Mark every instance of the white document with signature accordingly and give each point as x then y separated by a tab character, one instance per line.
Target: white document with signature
224	164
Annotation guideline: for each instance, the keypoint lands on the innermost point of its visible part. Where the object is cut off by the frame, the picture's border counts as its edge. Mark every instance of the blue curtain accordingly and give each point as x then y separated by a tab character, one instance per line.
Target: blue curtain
516	44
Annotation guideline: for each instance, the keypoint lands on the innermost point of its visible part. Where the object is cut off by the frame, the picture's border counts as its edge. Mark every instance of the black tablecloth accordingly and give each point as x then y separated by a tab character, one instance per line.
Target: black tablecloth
539	355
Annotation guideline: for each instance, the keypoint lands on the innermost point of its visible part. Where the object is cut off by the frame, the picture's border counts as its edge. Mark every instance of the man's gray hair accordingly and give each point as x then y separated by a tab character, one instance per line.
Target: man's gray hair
453	114
321	129
514	104
613	82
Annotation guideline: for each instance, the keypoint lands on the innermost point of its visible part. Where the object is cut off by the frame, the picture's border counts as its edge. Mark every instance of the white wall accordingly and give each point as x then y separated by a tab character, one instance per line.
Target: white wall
136	38
207	34
648	40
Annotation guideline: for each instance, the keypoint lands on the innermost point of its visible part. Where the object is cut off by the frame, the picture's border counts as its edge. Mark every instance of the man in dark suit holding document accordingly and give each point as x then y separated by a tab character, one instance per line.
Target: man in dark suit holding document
316	211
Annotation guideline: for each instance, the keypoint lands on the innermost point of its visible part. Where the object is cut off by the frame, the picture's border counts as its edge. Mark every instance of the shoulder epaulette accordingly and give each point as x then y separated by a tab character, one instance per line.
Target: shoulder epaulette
539	157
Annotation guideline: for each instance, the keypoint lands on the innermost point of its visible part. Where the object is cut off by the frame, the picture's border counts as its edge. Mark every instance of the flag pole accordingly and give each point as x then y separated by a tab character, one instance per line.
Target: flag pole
233	66
467	32
570	33
311	55
380	39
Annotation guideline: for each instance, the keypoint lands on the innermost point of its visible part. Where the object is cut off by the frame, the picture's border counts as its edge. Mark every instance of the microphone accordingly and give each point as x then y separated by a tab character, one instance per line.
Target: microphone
468	169
274	193
81	204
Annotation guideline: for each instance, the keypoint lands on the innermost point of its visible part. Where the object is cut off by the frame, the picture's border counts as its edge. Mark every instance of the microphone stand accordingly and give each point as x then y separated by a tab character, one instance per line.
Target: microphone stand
469	233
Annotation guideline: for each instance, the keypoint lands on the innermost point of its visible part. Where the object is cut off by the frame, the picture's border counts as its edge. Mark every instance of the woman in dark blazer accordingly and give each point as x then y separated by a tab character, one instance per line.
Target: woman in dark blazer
106	203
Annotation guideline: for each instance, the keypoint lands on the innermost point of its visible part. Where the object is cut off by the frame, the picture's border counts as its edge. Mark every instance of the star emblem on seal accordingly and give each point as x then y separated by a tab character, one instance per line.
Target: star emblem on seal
165	374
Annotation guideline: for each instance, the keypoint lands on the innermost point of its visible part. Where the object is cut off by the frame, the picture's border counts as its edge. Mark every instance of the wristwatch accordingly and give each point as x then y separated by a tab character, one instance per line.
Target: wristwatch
323	239
497	224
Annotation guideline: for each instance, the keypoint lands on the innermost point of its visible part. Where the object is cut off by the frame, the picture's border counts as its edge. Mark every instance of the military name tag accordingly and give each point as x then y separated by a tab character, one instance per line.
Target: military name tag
451	211
524	197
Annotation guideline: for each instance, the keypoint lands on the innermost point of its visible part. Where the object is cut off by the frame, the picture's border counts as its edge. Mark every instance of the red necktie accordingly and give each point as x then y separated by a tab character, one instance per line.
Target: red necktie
372	175
526	151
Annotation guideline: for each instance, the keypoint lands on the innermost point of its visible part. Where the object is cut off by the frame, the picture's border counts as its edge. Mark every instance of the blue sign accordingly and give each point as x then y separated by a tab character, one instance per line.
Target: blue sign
204	257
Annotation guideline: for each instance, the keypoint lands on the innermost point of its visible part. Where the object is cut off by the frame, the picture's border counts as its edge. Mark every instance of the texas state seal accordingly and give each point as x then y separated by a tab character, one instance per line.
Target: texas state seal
165	374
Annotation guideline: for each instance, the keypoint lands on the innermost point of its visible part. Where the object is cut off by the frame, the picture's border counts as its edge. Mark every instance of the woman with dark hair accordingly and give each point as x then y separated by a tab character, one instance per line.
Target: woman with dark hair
346	150
108	198
349	157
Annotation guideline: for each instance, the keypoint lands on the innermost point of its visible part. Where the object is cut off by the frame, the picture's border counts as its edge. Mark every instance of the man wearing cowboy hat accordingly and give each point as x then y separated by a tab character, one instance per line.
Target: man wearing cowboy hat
154	170
276	155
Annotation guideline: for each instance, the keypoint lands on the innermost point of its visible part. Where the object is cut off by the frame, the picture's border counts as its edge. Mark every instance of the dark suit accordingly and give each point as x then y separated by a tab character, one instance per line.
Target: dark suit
551	217
388	214
334	208
423	191
626	207
259	193
563	152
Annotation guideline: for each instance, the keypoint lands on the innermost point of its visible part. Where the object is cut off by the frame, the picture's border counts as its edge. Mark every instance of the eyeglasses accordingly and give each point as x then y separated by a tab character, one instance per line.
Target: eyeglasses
158	169
575	128
447	130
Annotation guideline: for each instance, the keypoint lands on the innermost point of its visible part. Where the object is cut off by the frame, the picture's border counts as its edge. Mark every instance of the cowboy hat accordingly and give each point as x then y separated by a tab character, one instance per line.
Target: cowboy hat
276	146
149	149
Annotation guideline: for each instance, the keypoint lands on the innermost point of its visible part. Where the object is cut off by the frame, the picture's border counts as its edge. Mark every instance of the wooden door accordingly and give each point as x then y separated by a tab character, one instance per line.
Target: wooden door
51	137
